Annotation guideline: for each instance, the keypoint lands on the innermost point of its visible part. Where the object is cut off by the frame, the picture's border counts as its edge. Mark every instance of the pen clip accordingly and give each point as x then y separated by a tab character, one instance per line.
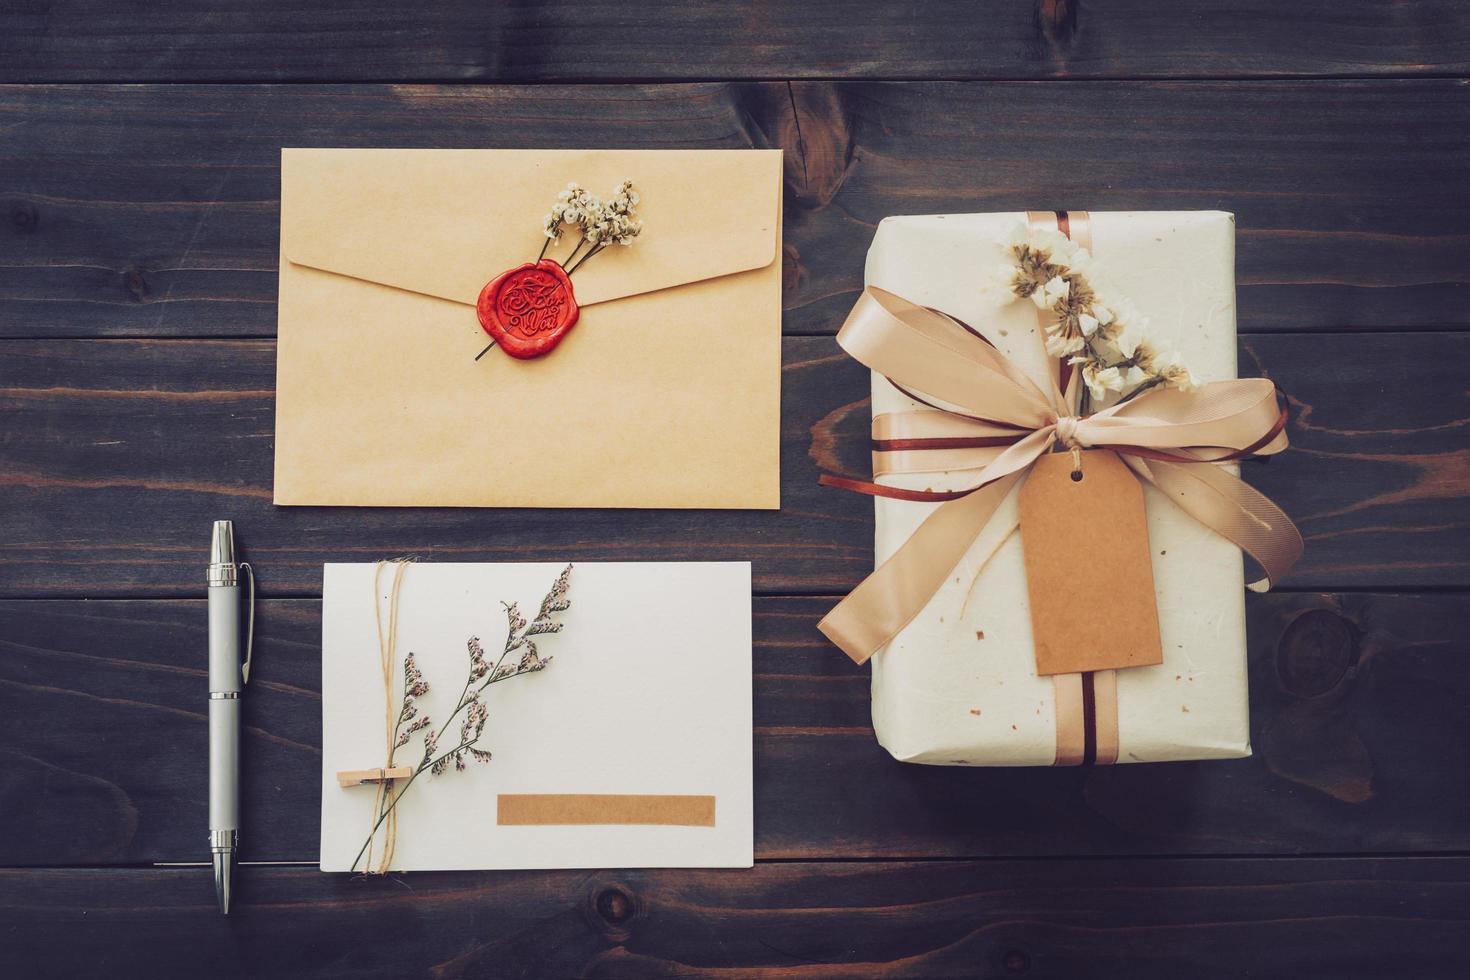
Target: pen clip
250	625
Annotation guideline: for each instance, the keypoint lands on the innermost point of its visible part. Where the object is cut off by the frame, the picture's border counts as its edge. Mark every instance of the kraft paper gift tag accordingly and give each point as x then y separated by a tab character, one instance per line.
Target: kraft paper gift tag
1089	577
632	748
666	393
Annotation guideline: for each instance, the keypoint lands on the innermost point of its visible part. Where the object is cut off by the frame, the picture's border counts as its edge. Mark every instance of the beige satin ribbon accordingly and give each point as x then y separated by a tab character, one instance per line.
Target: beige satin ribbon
1071	720
1168	438
1105	716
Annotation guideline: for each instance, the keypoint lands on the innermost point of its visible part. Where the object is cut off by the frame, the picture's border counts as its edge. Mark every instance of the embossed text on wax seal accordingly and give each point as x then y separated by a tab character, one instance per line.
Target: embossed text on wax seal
529	309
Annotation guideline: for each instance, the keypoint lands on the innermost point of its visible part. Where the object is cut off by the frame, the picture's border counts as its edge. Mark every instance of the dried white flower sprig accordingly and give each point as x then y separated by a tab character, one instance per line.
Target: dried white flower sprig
470	709
1102	333
601	224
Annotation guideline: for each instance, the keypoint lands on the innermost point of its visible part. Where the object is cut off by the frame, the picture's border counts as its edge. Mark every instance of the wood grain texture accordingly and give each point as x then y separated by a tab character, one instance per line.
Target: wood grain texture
1358	701
577	40
153	210
117	455
1343	918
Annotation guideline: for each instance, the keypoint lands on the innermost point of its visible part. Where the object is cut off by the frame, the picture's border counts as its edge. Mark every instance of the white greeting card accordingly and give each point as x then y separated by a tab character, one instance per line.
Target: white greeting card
630	748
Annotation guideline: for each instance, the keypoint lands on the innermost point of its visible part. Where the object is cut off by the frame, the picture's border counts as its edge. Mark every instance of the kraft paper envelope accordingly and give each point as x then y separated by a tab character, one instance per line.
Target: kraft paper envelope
666	393
631	749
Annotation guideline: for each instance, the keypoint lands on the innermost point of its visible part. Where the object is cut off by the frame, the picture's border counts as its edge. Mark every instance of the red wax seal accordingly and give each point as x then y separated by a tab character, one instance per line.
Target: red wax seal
529	309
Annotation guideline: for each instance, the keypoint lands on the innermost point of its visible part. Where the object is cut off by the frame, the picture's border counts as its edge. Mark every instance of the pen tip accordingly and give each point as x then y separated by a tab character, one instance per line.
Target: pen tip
222	881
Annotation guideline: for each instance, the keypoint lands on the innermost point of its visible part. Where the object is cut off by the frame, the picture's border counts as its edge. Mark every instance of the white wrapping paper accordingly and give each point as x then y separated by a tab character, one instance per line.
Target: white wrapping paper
942	694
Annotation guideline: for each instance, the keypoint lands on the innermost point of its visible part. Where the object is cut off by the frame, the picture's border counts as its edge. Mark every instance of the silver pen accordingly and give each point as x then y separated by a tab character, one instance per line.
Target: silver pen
228	674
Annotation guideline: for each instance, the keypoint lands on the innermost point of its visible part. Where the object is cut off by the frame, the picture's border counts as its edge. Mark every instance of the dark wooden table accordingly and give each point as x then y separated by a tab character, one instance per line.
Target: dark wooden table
139	191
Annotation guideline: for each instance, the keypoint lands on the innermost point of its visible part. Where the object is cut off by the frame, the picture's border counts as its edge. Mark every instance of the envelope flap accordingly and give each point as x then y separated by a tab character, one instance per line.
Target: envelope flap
445	222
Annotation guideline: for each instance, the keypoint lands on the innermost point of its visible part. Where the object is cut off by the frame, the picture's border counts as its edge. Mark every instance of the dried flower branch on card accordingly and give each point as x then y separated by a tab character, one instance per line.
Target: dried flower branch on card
470	708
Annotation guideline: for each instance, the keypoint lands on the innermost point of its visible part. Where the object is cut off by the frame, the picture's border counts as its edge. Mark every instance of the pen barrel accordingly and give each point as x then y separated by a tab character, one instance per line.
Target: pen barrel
224	639
225	684
224	763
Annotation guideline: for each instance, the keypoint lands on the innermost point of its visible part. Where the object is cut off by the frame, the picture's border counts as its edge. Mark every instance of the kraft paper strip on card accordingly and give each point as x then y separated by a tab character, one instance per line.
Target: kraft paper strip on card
591	809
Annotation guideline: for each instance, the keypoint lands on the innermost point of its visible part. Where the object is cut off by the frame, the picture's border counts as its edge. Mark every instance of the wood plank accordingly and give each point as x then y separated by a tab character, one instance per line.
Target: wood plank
572	40
153	210
1358	704
117	455
1344	918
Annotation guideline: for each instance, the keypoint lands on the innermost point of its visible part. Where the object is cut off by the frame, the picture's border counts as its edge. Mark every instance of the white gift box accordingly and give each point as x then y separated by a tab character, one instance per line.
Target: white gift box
958	685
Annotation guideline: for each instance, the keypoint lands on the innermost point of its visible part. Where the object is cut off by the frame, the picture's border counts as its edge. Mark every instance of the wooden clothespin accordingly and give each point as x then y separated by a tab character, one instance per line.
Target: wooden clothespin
369	777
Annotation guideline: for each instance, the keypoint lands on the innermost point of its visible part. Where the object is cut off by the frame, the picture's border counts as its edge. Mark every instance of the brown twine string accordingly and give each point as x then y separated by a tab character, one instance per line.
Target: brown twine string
387	656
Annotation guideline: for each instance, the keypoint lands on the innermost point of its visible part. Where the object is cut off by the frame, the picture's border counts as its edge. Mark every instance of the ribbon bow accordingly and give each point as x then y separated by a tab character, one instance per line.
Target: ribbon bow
1168	437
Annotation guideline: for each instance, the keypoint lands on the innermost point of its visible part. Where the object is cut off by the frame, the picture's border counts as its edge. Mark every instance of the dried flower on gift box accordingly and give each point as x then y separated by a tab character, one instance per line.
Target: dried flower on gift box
1098	332
470	708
